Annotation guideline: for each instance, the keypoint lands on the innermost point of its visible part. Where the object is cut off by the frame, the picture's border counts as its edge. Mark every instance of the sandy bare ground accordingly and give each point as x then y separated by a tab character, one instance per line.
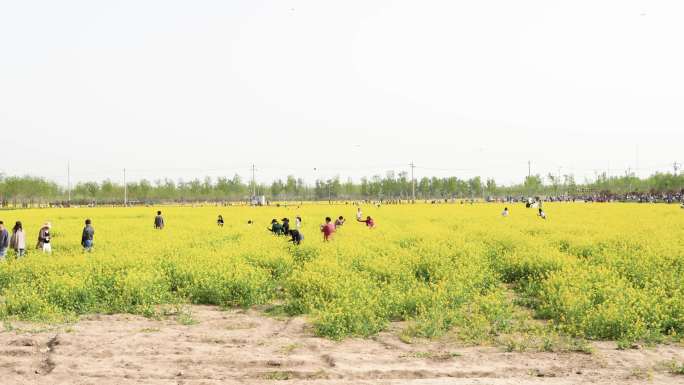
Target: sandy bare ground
237	347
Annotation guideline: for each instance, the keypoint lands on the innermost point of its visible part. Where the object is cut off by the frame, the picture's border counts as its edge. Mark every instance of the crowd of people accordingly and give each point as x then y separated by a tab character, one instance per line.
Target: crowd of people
605	197
538	204
327	228
17	240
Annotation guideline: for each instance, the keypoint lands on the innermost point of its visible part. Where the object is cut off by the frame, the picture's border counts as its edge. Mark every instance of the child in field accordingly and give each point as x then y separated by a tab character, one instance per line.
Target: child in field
328	228
18	240
219	221
370	223
505	212
339	221
44	238
159	221
359	214
298	222
542	214
286	226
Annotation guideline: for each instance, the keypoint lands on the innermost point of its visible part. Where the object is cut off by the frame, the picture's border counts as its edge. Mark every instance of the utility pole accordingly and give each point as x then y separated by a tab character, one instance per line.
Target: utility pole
636	159
125	189
529	168
69	183
253	181
413	181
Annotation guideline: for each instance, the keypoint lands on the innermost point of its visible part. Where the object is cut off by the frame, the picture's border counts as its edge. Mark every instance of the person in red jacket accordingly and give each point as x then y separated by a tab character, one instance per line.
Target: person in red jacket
370	223
328	228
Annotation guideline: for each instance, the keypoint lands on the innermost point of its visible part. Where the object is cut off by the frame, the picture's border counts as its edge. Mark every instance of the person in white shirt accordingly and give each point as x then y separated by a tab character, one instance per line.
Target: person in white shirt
505	212
44	238
359	214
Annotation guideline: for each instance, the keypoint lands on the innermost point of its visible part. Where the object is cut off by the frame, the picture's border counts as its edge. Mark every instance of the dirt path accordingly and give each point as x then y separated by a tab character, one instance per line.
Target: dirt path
234	347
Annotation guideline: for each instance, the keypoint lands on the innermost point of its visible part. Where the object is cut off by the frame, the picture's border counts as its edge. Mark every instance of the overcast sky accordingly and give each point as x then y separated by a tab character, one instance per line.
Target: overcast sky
192	88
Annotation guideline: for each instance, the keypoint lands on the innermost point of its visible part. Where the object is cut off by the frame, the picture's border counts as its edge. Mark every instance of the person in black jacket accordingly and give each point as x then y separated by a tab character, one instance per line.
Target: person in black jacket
159	221
276	228
297	237
87	236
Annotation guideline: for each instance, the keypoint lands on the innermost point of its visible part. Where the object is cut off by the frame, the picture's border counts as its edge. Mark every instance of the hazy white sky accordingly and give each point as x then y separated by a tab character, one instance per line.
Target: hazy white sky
194	88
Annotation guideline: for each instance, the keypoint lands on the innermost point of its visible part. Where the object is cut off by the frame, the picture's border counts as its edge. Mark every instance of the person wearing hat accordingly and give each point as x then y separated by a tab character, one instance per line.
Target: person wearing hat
44	238
276	228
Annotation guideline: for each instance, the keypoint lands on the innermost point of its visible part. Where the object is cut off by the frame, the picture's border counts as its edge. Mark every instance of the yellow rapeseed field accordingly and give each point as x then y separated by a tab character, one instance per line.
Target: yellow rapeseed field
603	271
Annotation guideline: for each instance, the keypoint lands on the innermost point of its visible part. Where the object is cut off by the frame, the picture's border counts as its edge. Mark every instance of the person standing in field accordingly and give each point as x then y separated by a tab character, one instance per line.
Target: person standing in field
88	236
18	240
4	240
298	222
359	214
159	221
505	212
286	226
219	221
370	223
328	228
339	221
44	238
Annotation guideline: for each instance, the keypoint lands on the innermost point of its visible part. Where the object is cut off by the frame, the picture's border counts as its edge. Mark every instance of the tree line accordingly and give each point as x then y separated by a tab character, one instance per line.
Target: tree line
31	190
